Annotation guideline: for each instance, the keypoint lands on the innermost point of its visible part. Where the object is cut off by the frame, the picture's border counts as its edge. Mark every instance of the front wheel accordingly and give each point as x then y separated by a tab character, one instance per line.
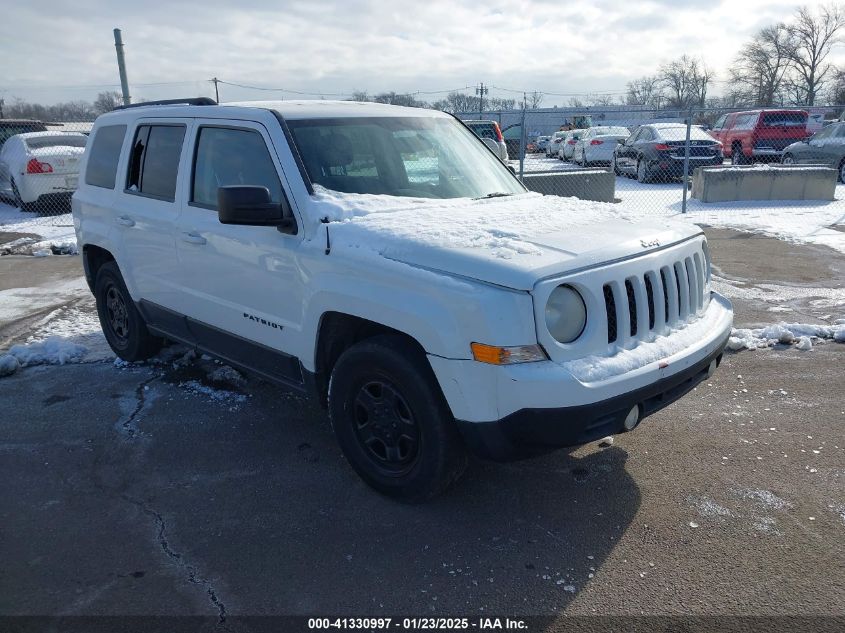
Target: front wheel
392	422
788	159
123	326
737	157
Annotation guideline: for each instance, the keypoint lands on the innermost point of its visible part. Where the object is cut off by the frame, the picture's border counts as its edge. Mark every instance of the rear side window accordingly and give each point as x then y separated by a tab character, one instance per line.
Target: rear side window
154	161
785	119
228	156
105	152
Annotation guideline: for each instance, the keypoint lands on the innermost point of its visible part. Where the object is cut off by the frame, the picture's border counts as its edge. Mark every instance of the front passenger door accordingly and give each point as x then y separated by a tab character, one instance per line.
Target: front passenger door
242	285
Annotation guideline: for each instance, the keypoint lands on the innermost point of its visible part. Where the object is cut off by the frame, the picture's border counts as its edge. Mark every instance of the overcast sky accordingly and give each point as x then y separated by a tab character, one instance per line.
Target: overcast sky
60	51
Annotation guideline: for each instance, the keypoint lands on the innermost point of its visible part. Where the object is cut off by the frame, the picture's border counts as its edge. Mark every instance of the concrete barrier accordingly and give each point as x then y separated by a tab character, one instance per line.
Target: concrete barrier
587	184
764	182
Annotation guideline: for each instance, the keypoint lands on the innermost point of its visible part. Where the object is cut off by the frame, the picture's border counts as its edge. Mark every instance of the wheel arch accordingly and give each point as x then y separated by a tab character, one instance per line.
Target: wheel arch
93	257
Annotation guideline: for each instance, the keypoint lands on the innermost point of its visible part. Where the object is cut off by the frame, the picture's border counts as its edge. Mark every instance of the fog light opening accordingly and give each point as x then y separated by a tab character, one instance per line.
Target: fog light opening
712	368
632	419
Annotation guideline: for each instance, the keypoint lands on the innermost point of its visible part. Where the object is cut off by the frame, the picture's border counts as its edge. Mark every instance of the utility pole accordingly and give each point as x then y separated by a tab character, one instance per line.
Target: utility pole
481	91
216	91
522	139
2	103
121	66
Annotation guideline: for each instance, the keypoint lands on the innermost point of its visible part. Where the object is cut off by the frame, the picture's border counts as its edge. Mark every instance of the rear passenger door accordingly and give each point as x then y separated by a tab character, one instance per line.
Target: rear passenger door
146	209
241	286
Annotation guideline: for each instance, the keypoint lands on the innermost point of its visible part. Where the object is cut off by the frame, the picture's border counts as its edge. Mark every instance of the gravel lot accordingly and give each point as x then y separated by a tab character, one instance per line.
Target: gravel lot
134	491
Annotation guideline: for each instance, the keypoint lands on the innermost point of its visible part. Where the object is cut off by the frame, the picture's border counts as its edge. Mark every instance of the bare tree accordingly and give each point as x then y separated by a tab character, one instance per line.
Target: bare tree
757	76
575	102
107	101
686	80
599	99
360	95
836	92
394	98
646	91
534	99
813	34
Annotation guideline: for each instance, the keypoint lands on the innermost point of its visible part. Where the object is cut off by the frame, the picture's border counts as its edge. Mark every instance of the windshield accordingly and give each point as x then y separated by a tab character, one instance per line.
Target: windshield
40	142
423	157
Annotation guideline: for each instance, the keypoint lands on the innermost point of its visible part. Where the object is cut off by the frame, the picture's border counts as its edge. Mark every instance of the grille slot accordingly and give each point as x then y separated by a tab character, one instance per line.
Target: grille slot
632	306
610	307
665	294
649	290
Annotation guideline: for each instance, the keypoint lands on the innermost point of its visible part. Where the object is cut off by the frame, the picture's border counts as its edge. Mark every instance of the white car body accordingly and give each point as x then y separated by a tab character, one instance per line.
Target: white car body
437	271
58	164
567	146
596	145
554	144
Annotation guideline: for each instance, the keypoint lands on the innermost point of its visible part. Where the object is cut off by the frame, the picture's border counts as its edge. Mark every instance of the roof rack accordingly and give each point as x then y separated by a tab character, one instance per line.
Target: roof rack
199	101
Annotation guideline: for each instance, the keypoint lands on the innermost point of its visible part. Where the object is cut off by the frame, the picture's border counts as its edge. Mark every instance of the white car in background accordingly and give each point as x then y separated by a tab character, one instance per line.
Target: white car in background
567	145
554	144
38	164
596	145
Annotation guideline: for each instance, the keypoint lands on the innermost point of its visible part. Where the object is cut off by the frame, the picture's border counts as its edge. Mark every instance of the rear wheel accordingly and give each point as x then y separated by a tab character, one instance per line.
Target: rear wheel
392	422
643	174
16	195
123	326
788	159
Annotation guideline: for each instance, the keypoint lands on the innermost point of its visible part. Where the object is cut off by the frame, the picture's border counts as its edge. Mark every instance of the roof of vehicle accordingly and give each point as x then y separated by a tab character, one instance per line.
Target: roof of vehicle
4	122
26	135
478	121
292	110
769	110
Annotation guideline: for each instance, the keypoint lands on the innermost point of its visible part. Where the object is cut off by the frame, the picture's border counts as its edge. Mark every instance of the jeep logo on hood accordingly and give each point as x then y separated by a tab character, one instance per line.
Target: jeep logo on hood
651	244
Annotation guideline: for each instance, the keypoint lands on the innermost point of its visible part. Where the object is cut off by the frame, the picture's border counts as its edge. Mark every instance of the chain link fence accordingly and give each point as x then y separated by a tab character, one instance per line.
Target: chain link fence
714	163
710	162
39	169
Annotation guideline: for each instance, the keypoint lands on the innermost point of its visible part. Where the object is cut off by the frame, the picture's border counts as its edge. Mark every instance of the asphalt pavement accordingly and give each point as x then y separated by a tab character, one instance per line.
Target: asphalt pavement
137	491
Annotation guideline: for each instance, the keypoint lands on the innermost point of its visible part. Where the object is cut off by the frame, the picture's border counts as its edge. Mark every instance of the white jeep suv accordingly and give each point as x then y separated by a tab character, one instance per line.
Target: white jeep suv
384	260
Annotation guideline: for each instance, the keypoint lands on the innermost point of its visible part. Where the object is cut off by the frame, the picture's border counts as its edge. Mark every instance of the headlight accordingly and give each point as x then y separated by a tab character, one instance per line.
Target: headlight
566	314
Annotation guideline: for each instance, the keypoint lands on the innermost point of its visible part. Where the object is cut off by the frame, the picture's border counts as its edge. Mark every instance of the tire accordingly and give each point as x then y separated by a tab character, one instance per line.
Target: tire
788	159
737	157
642	172
123	326
16	196
392	421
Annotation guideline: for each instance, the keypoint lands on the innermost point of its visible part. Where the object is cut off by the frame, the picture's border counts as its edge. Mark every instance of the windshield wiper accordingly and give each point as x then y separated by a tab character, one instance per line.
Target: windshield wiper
495	194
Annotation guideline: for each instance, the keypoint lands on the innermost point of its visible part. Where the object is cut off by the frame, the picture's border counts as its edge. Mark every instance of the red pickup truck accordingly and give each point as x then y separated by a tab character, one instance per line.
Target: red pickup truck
759	134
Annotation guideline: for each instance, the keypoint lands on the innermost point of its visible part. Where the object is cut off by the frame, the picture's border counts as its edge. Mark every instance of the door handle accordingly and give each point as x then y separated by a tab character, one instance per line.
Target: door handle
125	220
193	238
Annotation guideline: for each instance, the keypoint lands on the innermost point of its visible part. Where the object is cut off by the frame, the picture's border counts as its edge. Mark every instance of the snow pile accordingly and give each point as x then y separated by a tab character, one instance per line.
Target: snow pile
799	334
52	351
216	395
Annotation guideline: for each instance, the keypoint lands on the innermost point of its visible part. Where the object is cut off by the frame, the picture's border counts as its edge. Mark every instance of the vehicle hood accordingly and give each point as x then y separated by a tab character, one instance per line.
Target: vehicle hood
510	241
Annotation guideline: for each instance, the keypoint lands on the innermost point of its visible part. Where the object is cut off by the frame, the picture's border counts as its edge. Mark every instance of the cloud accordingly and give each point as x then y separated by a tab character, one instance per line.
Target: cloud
65	51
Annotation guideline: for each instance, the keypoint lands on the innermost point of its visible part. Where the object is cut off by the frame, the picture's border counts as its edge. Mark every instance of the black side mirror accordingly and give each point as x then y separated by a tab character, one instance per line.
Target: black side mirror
252	206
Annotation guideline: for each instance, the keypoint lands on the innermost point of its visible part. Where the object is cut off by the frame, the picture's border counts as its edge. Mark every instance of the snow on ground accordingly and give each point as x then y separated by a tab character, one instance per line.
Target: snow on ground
801	335
56	232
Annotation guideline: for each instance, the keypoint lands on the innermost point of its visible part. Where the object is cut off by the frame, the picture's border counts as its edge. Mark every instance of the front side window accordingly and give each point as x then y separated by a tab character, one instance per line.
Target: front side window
105	152
154	161
229	156
430	157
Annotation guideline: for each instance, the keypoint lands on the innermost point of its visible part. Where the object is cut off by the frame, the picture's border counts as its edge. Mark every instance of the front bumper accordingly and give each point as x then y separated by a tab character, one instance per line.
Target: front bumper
521	410
529	432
